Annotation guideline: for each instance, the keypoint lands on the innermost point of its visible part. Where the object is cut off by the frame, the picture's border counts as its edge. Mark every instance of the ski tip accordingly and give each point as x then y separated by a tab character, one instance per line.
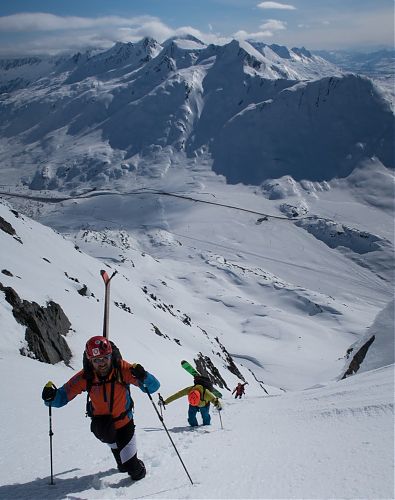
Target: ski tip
105	276
183	361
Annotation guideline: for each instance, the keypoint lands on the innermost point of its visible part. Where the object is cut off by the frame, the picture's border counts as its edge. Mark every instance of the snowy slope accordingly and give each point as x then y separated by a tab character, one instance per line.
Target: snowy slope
334	440
286	297
310	131
41	266
330	442
298	64
377	65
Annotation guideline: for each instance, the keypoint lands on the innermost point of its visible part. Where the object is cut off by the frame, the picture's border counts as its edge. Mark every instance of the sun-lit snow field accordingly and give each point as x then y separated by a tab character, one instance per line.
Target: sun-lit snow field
285	302
334	441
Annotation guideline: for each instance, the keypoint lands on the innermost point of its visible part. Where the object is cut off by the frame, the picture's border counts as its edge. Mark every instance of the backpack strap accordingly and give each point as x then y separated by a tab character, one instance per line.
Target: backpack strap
116	378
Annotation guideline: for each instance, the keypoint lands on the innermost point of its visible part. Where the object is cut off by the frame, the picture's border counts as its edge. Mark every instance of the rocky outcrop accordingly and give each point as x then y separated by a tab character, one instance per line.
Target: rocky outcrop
229	360
6	227
205	366
45	328
358	358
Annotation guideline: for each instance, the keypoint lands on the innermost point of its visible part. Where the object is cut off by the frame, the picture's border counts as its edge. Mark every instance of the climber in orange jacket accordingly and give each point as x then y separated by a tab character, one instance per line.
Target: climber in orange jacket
106	378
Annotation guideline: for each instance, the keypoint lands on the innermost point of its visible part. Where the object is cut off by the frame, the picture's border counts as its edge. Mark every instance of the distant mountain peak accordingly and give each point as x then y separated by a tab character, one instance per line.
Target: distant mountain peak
302	52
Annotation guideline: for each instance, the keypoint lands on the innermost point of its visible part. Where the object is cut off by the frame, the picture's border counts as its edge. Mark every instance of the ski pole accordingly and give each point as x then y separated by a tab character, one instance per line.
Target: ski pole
220	418
167	432
160	406
50	442
107	279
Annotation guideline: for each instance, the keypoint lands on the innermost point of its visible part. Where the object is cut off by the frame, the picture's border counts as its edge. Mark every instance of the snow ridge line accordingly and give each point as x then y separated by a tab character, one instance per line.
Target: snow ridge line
92	193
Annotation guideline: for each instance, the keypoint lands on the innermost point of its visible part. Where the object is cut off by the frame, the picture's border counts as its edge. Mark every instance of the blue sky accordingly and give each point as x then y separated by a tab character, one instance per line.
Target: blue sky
41	26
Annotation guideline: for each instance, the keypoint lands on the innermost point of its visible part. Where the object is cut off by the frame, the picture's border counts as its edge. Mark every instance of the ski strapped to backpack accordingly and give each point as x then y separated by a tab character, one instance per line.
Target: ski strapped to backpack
200	379
107	280
89	375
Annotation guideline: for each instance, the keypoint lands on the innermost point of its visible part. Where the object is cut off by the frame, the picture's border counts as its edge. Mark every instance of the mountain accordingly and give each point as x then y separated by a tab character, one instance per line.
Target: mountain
245	197
377	65
98	118
308	121
298	63
373	64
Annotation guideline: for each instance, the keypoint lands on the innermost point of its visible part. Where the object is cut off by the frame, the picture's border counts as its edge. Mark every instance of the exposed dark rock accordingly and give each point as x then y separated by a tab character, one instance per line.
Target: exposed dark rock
123	306
7	227
205	366
45	328
158	332
260	382
186	320
231	364
71	278
6	272
359	356
83	291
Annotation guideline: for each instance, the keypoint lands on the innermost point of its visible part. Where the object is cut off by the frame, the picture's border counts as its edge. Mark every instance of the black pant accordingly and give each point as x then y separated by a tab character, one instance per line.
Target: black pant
125	451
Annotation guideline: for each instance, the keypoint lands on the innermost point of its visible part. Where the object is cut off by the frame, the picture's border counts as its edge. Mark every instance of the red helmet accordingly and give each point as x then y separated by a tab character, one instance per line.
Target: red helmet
194	397
97	347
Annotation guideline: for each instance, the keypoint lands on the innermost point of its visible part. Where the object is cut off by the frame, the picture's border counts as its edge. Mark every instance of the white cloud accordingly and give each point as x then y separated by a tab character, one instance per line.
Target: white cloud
273	25
26	22
267	30
275	5
48	33
258	35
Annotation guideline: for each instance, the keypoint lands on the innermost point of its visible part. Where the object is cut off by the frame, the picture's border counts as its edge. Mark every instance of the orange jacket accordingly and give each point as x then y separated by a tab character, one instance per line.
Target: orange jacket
100	392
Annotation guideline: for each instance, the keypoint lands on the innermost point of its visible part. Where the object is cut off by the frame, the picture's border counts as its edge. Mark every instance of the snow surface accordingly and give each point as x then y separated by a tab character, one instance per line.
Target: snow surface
334	441
287	312
286	274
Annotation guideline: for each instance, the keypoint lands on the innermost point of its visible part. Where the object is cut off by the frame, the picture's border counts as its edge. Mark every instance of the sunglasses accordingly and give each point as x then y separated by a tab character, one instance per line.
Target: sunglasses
97	361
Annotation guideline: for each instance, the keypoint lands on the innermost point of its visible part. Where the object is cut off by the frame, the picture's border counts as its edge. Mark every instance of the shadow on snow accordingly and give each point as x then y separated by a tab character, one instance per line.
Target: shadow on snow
40	488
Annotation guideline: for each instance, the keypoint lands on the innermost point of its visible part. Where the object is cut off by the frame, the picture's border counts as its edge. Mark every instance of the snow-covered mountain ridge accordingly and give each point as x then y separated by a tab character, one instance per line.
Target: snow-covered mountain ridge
121	114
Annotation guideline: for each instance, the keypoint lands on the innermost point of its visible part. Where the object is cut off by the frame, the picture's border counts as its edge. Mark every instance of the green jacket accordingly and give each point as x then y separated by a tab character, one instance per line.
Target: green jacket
205	395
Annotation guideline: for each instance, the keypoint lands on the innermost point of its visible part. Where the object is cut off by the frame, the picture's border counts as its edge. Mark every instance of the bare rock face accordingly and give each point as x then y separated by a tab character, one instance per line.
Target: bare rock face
358	358
6	227
205	366
45	328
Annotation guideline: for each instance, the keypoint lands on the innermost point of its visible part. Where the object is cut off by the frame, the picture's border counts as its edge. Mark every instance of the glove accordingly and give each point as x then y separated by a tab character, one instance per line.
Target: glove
138	372
217	404
49	392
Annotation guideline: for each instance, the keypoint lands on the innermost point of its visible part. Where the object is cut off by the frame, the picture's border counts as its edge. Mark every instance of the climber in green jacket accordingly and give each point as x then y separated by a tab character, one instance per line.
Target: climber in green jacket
199	399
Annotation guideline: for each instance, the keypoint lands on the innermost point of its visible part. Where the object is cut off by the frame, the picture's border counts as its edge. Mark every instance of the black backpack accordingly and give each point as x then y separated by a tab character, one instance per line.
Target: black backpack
204	381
